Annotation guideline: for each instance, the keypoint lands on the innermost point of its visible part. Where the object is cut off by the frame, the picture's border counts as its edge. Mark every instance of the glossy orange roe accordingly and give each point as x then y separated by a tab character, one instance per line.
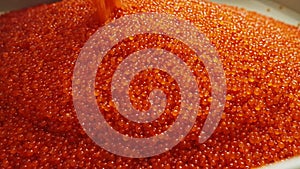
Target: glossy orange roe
38	124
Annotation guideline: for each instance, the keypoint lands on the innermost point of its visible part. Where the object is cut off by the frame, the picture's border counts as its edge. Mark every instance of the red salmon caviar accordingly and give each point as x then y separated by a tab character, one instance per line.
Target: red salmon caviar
38	124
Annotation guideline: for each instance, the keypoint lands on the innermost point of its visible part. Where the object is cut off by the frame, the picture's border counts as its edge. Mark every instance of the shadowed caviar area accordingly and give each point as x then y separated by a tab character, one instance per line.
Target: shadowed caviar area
38	51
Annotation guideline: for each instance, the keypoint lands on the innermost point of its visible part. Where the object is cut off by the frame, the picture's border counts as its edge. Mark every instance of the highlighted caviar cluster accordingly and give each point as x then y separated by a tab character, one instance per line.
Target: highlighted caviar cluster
119	75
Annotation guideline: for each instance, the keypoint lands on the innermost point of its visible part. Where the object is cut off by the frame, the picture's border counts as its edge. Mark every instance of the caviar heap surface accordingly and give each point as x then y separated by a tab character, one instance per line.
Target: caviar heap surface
38	124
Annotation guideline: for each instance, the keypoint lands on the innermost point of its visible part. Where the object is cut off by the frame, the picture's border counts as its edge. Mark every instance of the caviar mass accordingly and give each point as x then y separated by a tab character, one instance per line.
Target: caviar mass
38	125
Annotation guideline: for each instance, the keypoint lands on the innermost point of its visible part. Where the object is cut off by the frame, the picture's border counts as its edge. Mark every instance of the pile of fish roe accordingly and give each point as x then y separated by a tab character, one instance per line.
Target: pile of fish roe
38	124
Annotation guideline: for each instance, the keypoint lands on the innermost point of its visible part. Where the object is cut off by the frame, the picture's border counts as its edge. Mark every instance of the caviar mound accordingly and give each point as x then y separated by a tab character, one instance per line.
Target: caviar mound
38	124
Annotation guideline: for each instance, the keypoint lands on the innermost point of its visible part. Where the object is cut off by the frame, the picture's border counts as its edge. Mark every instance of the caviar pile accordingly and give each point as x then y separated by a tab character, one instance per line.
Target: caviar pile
38	124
